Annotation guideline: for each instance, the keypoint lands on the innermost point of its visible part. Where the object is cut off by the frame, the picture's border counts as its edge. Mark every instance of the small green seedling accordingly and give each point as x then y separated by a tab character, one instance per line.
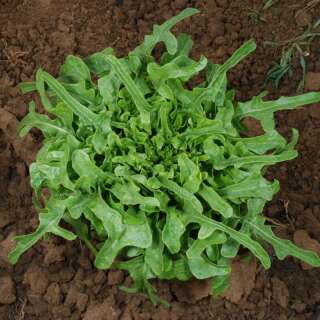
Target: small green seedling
256	15
269	3
296	47
155	178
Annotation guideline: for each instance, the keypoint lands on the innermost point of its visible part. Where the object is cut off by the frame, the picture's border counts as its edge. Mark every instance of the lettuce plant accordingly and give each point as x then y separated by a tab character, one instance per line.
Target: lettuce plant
154	177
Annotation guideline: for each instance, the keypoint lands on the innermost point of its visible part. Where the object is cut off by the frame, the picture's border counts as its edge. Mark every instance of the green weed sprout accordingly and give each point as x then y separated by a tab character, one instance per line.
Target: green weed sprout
297	46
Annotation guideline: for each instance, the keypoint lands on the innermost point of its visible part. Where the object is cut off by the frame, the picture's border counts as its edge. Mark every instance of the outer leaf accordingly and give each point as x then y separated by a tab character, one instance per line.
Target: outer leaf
97	63
162	34
180	270
220	284
110	218
241	53
230	248
49	220
198	246
283	248
208	129
184	46
109	89
154	257
42	122
88	172
27	87
81	229
261	144
190	201
190	174
215	201
76	203
100	137
256	160
218	79
139	273
253	186
51	168
240	237
263	110
81	111
135	93
201	267
180	67
129	195
172	231
75	69
138	235
82	92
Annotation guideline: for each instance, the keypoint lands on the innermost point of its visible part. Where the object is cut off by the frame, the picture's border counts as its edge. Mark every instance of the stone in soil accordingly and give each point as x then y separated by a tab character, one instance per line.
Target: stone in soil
53	295
280	292
54	254
115	277
314	111
312	81
7	290
191	291
37	279
104	310
242	280
6	246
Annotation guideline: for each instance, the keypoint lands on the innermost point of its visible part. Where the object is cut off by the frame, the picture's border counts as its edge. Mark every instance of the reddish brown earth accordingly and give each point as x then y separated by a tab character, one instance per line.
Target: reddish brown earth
56	280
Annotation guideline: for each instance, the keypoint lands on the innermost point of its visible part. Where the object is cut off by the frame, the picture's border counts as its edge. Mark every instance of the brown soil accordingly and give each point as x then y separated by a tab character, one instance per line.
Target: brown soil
56	280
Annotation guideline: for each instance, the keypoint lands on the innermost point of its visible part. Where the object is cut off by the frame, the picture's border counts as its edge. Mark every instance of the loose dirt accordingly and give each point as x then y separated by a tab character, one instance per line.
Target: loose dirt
55	279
